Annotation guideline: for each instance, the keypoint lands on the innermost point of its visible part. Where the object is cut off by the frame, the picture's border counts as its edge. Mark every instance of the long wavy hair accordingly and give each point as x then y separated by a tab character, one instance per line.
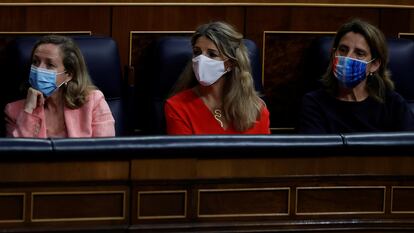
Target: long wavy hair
241	103
75	92
380	81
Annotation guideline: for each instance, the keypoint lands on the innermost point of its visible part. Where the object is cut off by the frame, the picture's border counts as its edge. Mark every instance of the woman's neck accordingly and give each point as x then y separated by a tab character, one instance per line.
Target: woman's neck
212	95
356	94
55	101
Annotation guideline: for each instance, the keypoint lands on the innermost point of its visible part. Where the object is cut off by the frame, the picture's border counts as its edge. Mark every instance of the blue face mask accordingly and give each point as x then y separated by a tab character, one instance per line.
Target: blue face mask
44	80
349	71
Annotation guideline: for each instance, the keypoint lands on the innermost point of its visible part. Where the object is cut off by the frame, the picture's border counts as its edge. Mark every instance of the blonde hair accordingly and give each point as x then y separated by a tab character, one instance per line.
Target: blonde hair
241	103
75	92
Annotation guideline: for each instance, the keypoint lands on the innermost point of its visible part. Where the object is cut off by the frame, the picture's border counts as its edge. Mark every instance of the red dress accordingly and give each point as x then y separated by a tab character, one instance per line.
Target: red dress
186	113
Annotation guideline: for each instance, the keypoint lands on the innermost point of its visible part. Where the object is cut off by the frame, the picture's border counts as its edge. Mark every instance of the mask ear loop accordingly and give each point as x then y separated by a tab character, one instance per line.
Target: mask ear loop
371	74
373	59
65	83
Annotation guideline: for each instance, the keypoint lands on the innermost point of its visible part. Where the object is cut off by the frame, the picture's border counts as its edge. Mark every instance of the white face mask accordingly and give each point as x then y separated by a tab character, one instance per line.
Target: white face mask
207	70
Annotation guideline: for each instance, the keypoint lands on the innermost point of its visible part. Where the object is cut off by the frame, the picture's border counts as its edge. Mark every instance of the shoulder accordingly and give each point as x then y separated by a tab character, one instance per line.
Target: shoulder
263	107
15	104
264	112
393	95
12	109
95	94
94	97
185	101
317	94
317	97
182	97
394	99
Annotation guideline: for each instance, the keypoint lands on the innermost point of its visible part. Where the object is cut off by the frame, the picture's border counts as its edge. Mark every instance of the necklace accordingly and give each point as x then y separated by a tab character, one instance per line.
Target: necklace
217	115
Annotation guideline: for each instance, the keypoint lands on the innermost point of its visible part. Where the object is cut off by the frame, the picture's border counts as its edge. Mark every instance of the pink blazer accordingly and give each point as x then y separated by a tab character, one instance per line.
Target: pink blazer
93	119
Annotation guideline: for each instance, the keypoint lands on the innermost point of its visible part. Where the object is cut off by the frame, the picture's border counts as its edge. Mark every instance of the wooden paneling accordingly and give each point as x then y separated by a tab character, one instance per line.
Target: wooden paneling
51	19
78	206
260	19
271	167
152	169
384	3
286	73
402	200
168	169
12	207
393	21
178	18
55	171
340	200
253	202
166	204
169	184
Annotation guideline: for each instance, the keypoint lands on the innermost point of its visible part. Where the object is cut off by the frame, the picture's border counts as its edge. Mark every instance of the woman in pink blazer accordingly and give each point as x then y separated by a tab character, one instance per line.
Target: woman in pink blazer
62	101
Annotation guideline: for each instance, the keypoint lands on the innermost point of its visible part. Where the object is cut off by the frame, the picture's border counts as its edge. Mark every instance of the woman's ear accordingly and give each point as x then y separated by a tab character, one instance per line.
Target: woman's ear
68	77
228	65
374	66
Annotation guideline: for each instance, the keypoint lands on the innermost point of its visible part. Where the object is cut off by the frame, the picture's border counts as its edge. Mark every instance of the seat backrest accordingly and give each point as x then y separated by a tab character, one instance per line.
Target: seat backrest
102	60
401	60
401	53
170	55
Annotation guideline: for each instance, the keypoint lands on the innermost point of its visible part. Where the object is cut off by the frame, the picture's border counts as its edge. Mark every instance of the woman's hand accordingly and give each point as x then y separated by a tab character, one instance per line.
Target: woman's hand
34	99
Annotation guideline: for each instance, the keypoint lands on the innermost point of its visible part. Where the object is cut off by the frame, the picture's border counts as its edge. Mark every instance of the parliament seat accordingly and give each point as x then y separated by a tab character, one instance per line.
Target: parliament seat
401	60
169	57
101	57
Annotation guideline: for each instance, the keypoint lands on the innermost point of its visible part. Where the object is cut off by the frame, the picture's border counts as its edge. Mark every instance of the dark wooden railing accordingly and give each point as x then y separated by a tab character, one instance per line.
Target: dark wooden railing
285	183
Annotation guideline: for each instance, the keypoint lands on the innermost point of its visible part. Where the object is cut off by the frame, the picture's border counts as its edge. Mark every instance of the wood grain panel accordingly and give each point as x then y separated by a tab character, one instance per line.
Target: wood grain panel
309	165
70	171
168	169
340	200
402	200
243	202
162	204
393	21
50	19
12	207
163	169
173	18
346	3
260	19
78	206
13	18
287	73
